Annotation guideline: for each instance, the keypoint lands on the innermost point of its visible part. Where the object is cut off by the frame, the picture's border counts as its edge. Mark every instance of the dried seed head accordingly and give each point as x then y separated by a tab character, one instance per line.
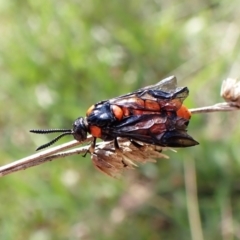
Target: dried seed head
230	90
113	161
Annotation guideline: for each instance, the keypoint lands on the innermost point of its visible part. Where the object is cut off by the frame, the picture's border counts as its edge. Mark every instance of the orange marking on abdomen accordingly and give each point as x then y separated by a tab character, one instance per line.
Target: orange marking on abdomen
117	111
152	105
137	112
126	112
172	105
184	112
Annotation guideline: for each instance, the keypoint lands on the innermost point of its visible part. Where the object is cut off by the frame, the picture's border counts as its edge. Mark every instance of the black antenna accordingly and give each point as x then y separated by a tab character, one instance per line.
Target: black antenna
46	131
63	131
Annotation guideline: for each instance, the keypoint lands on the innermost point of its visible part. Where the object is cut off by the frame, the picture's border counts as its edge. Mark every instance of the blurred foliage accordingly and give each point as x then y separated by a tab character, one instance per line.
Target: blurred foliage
59	57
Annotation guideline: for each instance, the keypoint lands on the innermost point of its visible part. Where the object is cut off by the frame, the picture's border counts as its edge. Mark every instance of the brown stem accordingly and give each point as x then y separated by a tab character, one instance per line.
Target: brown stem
44	156
58	152
219	107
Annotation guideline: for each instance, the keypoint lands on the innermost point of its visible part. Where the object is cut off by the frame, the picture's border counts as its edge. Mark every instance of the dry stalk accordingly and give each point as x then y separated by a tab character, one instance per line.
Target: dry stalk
113	162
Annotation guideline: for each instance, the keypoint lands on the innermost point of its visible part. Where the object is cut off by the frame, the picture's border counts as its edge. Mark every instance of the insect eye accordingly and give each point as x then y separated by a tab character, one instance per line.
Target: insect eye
80	129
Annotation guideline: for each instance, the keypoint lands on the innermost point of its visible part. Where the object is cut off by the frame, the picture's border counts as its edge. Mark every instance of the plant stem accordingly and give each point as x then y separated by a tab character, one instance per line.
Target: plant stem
219	107
58	152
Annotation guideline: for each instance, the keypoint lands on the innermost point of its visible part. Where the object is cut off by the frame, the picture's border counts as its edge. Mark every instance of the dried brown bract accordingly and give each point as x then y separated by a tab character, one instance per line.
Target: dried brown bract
230	91
113	161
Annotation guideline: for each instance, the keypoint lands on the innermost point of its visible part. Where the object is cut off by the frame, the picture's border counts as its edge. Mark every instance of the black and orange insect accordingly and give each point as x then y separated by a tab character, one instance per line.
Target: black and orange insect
153	115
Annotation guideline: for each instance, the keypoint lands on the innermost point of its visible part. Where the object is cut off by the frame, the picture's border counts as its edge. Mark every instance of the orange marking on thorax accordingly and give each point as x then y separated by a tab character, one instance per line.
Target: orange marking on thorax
95	131
90	110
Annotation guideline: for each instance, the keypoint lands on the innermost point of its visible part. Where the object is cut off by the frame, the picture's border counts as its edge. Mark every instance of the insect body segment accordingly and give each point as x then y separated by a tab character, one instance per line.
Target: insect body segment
184	112
149	99
153	115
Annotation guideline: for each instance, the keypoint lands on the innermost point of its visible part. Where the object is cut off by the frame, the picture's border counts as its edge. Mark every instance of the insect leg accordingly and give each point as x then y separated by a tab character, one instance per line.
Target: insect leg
91	148
135	144
116	145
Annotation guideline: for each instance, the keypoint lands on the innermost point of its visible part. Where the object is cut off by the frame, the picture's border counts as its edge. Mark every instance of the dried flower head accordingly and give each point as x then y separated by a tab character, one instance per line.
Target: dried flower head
113	161
230	91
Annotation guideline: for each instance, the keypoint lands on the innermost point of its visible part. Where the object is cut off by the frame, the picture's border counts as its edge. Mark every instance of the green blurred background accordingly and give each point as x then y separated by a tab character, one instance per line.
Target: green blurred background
59	57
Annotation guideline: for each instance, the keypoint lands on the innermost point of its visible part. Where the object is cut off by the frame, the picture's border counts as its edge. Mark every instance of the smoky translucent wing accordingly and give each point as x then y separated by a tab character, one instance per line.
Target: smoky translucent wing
167	85
165	94
157	129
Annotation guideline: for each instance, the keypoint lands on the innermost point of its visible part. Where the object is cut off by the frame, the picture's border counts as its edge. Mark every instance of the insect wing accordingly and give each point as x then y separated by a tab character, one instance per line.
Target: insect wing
167	85
162	130
163	95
